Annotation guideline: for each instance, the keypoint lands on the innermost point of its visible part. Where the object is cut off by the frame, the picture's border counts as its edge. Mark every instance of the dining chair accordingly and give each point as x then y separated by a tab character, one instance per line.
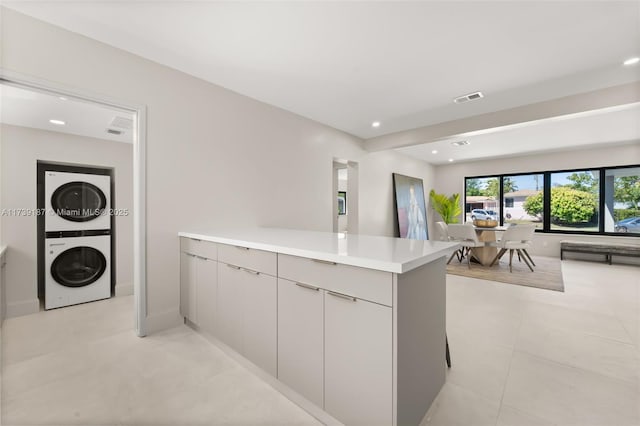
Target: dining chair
443	235
467	237
443	231
515	238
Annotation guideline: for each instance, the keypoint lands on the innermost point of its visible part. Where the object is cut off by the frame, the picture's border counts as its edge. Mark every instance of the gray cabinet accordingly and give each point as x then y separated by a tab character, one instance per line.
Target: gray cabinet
188	278
206	293
259	322
229	305
301	339
358	364
247	301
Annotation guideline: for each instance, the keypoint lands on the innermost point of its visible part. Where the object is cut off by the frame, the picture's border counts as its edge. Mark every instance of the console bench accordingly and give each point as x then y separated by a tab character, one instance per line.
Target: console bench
607	249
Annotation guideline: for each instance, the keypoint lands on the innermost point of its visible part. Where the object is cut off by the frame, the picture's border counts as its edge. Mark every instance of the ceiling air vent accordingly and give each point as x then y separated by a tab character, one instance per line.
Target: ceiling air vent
469	97
115	132
460	143
122	123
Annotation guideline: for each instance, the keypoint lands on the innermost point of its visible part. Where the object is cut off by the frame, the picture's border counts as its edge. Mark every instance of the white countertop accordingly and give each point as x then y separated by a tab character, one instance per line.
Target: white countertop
373	252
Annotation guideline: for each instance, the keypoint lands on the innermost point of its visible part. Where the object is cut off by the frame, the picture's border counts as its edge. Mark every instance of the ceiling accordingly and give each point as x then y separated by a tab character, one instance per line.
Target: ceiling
29	108
347	64
598	128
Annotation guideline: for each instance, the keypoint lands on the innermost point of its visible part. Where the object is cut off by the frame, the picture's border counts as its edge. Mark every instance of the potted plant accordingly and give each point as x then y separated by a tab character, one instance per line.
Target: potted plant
447	207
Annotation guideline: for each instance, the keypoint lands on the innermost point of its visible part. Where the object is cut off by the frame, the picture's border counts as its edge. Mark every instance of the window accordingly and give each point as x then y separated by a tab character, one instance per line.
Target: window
523	199
575	198
603	200
621	208
482	197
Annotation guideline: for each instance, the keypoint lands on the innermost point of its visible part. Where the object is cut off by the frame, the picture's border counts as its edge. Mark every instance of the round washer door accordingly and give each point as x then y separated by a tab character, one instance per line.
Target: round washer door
78	201
78	266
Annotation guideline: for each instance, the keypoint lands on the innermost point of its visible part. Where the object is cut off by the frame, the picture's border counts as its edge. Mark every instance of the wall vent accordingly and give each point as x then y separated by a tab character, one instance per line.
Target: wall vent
122	122
115	132
468	97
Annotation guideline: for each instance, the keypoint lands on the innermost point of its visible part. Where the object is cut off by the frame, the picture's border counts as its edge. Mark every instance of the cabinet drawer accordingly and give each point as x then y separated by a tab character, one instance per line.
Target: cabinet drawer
256	260
367	284
199	248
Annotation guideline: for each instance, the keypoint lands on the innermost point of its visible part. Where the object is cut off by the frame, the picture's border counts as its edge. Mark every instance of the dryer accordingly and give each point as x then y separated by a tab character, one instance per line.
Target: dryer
77	269
76	201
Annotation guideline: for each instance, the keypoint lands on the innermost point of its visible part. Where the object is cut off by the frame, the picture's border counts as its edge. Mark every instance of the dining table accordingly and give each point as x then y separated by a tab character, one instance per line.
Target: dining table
485	255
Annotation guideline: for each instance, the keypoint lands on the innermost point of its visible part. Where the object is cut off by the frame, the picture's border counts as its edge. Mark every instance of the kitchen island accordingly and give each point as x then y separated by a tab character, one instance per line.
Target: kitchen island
351	325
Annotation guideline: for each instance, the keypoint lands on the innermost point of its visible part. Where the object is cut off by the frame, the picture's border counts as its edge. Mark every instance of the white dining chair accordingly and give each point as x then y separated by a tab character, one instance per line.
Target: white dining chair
443	231
443	235
516	238
467	237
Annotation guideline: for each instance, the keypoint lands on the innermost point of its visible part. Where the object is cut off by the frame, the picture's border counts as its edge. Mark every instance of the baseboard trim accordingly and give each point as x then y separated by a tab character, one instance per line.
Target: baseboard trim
124	289
163	321
292	395
23	307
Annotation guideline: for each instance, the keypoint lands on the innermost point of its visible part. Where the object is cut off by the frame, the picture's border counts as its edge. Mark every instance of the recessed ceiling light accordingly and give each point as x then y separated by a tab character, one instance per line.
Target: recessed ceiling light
632	61
62	98
450	160
435	151
57	122
375	124
460	143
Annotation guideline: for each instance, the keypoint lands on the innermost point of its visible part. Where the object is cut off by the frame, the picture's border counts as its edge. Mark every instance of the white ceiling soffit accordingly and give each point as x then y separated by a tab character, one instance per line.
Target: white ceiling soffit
28	108
348	64
614	126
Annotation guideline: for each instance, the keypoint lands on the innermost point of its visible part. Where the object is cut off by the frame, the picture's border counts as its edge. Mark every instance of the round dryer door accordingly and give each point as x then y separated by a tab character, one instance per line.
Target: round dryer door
78	201
78	267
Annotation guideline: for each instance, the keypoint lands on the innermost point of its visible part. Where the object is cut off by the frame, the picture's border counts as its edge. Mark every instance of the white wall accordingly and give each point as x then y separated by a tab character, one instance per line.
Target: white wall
214	158
21	148
376	211
450	179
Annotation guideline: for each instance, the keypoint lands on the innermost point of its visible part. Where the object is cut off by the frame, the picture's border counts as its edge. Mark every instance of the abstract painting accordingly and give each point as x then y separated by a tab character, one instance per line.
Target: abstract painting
410	206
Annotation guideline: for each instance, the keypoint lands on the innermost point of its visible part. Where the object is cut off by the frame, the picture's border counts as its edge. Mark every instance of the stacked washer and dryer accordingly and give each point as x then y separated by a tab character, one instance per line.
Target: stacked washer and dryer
77	245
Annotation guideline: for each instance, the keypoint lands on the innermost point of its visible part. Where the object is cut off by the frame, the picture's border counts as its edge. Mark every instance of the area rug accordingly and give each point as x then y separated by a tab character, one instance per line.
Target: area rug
547	272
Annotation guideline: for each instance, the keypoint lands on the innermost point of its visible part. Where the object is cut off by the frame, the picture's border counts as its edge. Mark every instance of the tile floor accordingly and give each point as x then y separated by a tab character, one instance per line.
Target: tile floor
521	356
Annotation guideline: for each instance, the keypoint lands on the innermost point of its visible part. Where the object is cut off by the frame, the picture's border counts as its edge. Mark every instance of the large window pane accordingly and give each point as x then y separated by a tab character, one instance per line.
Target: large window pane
482	198
523	199
575	200
622	200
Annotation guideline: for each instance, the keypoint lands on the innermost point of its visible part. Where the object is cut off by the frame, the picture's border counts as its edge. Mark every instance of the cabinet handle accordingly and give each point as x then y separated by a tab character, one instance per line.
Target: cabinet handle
190	255
342	296
251	271
326	262
310	287
237	268
201	258
242	248
195	239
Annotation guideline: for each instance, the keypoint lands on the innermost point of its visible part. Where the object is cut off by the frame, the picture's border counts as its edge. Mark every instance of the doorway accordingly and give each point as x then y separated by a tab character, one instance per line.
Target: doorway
345	196
126	121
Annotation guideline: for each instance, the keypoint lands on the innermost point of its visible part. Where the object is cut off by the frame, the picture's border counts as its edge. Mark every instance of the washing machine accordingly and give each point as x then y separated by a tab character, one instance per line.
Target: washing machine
76	201
77	270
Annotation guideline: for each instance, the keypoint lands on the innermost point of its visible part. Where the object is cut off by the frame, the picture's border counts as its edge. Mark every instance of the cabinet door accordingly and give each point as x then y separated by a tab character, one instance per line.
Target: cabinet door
300	339
260	320
188	278
358	361
207	290
228	317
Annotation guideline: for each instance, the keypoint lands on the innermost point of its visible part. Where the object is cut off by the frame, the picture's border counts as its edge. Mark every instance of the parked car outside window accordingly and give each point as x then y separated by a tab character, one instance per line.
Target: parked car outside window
631	224
483	214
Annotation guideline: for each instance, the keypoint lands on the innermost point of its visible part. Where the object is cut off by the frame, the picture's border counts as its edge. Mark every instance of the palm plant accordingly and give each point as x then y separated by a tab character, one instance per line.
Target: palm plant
447	207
